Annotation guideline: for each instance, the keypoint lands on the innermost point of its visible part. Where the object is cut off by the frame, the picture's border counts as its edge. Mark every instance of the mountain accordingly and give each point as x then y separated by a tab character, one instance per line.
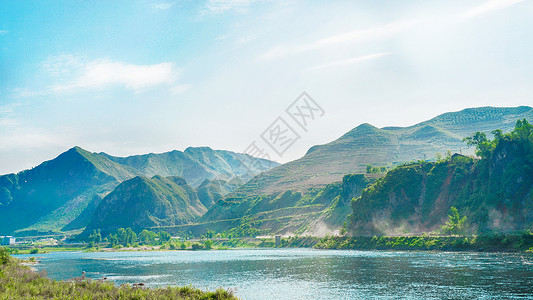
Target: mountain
494	193
143	202
197	164
318	171
52	194
210	191
61	194
388	146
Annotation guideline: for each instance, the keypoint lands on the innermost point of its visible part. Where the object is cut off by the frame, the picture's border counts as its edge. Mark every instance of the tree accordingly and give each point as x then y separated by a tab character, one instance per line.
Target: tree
95	237
147	237
131	237
208	244
368	169
122	236
455	224
164	236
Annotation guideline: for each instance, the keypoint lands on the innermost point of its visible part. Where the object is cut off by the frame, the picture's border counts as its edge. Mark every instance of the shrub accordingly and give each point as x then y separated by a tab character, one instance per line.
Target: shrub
34	251
4	256
197	246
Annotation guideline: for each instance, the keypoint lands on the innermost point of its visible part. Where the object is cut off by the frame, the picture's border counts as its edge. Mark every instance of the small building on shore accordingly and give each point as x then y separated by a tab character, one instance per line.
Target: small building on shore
7	240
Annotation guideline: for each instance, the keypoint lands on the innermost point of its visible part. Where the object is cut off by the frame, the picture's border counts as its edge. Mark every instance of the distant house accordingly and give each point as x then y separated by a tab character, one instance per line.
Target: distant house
8	240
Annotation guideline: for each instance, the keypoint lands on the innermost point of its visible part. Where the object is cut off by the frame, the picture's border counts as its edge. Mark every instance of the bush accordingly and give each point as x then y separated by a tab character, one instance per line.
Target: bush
4	256
208	244
34	251
197	246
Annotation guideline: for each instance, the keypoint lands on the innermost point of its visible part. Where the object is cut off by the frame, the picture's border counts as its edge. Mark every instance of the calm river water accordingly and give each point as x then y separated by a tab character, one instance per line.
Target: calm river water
311	274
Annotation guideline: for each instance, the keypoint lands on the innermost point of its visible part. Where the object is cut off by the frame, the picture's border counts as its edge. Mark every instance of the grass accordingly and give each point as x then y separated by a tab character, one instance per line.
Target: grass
20	282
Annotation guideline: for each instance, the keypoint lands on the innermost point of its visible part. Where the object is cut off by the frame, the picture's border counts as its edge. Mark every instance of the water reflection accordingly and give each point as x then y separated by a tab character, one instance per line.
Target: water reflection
313	274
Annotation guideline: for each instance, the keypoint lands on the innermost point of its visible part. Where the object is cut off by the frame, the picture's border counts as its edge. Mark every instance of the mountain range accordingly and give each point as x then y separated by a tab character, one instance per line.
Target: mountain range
202	189
62	194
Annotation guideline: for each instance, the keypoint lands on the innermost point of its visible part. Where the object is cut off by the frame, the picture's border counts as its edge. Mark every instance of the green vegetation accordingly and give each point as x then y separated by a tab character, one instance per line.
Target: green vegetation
143	202
19	282
489	242
62	194
455	224
490	194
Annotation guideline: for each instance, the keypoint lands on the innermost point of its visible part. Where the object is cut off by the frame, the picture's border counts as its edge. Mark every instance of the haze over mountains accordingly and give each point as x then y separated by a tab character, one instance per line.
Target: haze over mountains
388	146
201	188
61	194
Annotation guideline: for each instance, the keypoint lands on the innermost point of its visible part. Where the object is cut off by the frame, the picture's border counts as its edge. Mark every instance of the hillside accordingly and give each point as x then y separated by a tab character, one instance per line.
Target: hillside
143	202
388	146
61	194
197	164
54	193
324	165
495	193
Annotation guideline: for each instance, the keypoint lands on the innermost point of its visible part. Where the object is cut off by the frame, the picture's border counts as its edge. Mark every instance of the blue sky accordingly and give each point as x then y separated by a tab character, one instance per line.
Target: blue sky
132	77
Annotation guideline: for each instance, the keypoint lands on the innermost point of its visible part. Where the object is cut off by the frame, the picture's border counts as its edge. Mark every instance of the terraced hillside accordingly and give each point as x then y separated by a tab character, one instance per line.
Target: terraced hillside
388	146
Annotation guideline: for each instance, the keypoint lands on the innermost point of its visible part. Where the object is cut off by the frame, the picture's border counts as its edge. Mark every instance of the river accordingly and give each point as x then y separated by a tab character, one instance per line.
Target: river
310	274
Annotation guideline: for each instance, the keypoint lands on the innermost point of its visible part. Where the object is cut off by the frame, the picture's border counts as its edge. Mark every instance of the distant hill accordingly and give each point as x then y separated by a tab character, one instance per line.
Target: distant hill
61	194
196	164
143	202
388	146
494	193
318	171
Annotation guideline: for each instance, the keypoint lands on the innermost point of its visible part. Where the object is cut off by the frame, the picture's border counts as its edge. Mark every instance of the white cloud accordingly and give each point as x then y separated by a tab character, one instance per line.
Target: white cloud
350	61
161	5
105	73
3	32
487	7
343	38
71	73
221	6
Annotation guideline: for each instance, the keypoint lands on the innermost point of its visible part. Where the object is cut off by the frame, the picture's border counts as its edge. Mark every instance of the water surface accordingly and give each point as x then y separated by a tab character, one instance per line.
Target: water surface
311	274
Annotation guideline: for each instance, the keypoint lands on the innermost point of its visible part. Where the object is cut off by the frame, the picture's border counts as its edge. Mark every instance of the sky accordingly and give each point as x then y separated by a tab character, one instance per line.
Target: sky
139	76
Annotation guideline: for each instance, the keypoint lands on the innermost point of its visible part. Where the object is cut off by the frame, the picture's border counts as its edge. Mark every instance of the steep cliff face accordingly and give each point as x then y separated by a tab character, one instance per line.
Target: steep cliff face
143	202
495	193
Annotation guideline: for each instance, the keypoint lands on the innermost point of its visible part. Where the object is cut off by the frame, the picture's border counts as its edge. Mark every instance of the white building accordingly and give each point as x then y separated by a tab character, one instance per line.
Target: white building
7	240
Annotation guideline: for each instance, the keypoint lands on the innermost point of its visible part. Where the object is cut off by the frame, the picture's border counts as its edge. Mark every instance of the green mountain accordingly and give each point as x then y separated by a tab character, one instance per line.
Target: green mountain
54	193
318	171
142	202
197	164
62	194
494	193
388	146
210	191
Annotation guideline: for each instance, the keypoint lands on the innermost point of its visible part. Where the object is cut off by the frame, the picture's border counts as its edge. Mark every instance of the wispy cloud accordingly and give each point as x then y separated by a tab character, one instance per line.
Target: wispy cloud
106	73
4	32
71	73
487	7
161	5
350	61
343	38
221	6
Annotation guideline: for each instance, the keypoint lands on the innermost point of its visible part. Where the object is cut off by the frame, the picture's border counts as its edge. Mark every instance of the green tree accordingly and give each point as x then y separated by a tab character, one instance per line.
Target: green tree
208	244
95	237
368	169
483	145
455	224
122	236
147	237
164	236
131	237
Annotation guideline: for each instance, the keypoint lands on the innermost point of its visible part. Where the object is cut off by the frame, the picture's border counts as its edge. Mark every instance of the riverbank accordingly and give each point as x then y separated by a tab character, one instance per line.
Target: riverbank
18	281
491	243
